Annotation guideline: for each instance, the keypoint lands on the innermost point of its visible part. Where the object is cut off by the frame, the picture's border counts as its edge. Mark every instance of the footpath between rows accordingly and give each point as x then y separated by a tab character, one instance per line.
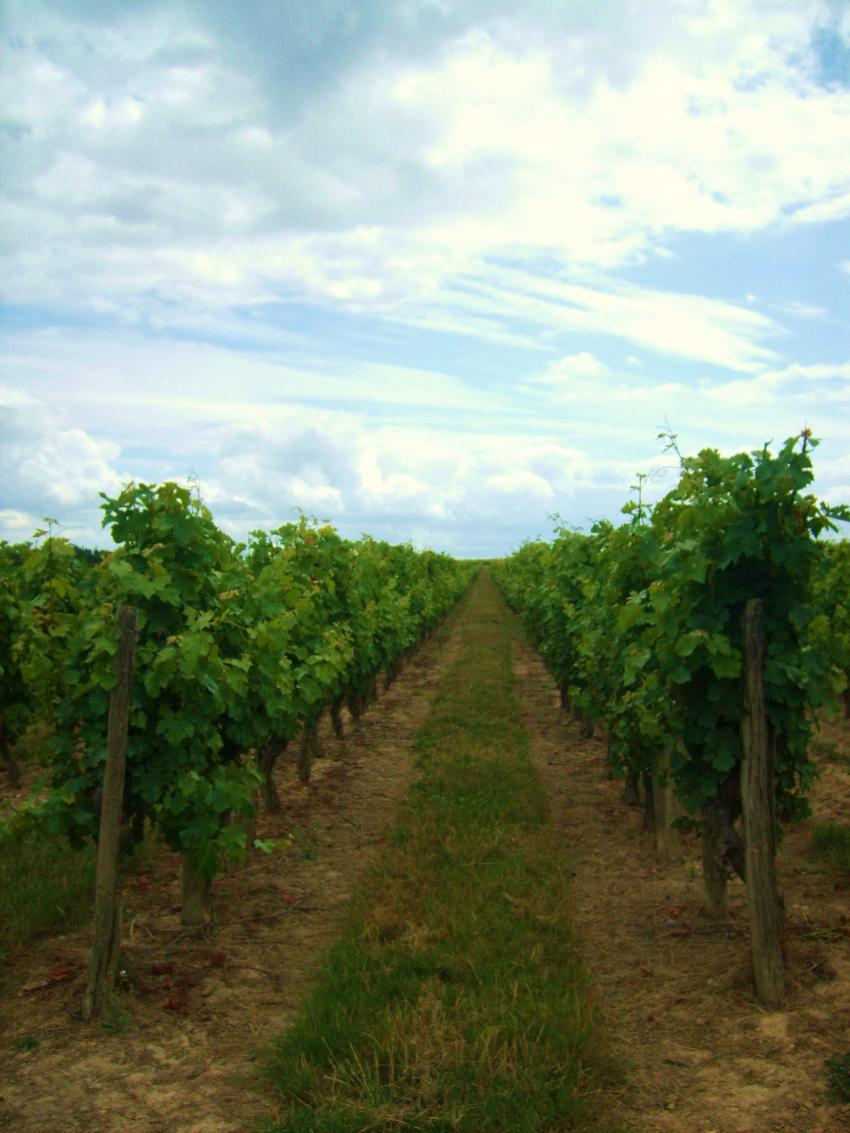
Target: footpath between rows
455	998
521	962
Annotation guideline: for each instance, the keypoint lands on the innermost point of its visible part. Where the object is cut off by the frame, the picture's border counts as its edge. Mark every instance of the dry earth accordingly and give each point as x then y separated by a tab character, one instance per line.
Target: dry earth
180	1052
700	1056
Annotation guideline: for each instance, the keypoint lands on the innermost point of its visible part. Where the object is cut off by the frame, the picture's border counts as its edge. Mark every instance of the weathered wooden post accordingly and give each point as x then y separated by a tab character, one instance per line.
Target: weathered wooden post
714	869
758	803
194	895
107	909
664	809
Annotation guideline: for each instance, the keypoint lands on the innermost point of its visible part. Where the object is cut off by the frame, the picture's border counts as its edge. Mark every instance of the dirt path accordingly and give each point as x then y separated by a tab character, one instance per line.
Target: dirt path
699	1055
179	1053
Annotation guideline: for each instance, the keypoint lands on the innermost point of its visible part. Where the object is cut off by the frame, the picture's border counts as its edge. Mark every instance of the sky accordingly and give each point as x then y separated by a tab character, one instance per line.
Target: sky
434	270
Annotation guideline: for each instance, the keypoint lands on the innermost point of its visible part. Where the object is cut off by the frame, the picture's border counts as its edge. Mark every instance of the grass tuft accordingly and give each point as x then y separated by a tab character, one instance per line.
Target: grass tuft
838	1078
44	885
456	999
832	842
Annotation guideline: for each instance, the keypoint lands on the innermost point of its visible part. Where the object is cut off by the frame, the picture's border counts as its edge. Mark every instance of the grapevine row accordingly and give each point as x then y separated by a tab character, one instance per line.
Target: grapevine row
240	649
641	625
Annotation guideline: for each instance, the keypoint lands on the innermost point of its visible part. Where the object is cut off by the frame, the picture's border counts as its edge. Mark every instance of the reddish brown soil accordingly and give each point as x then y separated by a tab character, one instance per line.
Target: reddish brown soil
699	1054
180	1052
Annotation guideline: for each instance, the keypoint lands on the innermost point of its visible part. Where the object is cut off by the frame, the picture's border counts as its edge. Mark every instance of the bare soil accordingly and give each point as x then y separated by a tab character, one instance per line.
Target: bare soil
181	1049
675	990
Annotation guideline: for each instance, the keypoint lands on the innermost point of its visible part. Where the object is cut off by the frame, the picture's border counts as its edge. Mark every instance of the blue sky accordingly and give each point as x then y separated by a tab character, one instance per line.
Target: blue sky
432	269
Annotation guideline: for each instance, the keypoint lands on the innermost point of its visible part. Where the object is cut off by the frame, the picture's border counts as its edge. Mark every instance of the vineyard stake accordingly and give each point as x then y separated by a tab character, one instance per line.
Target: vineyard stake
107	910
664	800
757	797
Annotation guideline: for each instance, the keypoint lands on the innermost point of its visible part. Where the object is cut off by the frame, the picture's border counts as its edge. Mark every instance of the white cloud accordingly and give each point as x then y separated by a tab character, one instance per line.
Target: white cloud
564	371
471	490
16	526
421	475
814	373
688	326
170	176
803	310
582	382
834	480
257	465
521	482
788	384
836	208
46	466
801	394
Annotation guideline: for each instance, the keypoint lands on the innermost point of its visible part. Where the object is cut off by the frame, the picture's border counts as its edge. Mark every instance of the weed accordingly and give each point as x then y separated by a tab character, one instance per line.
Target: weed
44	884
838	1078
832	842
826	749
306	842
116	1016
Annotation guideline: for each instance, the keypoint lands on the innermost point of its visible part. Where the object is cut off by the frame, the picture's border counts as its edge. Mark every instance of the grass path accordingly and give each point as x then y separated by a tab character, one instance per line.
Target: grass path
455	999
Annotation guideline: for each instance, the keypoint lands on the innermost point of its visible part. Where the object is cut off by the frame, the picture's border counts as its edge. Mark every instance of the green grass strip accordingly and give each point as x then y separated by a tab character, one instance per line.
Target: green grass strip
44	886
832	842
455	1000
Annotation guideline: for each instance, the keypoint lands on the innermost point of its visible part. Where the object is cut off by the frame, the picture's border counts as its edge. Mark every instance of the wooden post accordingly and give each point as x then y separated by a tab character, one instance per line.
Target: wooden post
666	835
715	871
757	797
194	896
107	909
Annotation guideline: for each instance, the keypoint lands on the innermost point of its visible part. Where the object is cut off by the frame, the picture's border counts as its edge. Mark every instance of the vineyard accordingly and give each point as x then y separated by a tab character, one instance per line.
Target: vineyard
705	635
239	650
302	718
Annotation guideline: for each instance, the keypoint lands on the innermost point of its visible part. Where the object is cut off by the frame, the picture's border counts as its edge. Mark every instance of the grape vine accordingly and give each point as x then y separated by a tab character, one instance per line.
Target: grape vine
240	648
640	625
